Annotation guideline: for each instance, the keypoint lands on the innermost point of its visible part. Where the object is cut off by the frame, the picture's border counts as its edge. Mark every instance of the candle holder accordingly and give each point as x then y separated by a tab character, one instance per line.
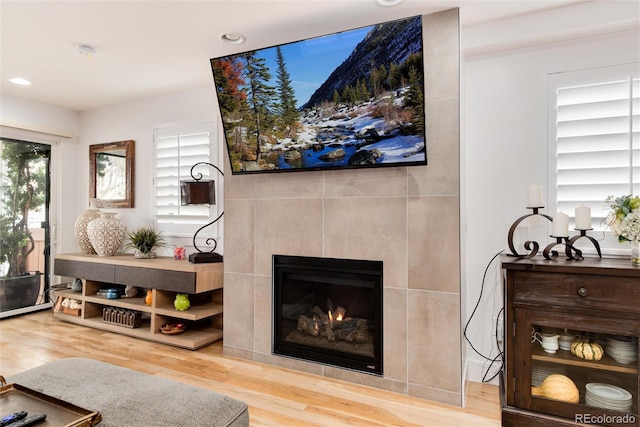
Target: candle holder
530	245
583	233
569	250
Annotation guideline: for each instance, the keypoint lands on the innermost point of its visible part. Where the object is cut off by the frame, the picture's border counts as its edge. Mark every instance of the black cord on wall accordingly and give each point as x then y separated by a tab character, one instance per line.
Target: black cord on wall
500	356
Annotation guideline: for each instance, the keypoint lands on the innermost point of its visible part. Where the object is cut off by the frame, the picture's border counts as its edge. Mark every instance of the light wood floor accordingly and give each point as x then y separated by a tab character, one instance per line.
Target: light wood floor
276	397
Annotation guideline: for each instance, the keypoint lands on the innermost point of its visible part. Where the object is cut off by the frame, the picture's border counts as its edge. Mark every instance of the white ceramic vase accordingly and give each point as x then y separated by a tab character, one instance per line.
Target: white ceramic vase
106	233
80	228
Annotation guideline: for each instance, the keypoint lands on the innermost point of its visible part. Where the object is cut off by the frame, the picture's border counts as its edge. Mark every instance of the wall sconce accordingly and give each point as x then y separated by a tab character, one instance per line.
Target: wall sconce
197	192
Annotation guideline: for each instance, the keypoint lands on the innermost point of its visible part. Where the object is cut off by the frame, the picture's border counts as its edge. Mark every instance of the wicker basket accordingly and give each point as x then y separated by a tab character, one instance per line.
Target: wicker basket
72	311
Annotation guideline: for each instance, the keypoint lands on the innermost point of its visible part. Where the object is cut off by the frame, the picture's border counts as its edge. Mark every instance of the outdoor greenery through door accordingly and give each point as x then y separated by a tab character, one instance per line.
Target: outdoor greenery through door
24	231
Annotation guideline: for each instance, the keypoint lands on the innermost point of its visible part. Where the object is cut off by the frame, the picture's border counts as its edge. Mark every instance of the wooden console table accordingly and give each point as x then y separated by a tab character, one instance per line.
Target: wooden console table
165	277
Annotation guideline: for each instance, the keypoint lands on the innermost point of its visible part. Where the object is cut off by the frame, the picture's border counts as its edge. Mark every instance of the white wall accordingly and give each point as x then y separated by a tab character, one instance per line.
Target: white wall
37	122
137	120
506	151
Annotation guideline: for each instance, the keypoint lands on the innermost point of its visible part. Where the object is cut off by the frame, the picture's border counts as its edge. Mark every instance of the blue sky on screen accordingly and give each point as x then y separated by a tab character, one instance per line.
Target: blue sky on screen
310	62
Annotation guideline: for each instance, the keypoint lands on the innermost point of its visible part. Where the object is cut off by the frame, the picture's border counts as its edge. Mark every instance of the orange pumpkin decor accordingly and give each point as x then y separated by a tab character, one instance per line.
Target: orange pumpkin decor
149	298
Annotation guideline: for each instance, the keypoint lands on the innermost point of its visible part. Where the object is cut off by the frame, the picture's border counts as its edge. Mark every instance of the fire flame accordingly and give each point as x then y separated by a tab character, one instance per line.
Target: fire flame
338	317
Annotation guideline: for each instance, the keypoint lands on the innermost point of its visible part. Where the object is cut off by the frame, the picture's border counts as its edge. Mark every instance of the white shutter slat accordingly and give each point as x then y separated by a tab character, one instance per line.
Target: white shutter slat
586	143
592	177
599	126
594	160
599	92
595	138
593	110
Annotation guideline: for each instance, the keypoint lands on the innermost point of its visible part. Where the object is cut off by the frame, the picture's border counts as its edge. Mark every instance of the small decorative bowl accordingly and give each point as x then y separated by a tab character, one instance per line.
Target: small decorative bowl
173	328
113	294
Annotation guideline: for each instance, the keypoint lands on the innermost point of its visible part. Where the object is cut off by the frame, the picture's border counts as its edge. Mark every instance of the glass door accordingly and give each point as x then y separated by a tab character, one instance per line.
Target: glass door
24	226
581	368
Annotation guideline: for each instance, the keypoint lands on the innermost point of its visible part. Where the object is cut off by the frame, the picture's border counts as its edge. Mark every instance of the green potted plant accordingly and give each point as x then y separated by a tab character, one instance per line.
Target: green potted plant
22	190
145	241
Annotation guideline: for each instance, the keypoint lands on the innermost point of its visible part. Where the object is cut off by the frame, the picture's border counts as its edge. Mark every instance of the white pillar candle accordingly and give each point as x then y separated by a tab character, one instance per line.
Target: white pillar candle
583	217
534	199
560	225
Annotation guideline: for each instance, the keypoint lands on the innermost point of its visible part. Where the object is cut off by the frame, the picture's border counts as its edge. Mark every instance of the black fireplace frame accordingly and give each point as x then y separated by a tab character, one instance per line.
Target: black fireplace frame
371	270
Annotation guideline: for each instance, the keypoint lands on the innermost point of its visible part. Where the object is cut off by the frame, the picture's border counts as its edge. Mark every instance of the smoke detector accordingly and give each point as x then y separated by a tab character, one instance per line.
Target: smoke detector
388	3
86	50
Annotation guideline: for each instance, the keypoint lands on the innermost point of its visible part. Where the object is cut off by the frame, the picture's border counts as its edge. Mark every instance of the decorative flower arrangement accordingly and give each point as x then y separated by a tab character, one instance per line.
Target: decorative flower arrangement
624	217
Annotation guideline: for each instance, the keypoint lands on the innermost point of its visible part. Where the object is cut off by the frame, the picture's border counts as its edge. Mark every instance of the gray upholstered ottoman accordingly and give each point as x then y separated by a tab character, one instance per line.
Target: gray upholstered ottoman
130	398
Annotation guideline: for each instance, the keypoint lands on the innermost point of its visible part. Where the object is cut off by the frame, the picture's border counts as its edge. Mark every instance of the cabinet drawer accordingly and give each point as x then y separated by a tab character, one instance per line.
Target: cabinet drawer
85	270
177	281
606	293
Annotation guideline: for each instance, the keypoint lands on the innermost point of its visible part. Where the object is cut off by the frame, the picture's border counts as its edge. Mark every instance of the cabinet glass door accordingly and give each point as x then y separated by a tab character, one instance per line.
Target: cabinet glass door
584	371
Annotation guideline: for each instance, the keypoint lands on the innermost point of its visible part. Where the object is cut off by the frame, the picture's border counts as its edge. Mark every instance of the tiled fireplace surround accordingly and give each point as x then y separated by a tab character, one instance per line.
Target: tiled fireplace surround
407	217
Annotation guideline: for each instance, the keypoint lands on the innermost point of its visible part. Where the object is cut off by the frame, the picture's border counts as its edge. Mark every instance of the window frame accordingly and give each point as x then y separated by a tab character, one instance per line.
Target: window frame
188	228
570	78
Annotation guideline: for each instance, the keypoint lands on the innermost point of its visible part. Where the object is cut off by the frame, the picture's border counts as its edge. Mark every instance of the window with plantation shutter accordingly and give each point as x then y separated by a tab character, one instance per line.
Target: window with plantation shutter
594	149
177	149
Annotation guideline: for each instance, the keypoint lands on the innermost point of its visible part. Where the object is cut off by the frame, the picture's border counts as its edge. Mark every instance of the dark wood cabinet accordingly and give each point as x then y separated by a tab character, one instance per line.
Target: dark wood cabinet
595	300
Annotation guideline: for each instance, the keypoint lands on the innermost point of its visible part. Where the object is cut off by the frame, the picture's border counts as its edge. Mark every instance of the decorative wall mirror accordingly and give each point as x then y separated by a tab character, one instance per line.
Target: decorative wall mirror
111	172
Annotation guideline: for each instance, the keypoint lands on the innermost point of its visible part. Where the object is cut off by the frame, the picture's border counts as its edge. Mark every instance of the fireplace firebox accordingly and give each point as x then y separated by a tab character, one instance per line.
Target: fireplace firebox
328	310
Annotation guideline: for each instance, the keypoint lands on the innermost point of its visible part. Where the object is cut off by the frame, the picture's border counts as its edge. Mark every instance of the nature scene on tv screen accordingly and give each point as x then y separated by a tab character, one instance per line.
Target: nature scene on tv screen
346	100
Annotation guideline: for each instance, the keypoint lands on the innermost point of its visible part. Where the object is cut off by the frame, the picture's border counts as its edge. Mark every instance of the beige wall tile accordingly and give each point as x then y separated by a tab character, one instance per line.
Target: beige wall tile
369	228
287	227
390	182
434	243
289	185
238	186
441	55
239	235
442	173
238	311
262	314
434	344
395	333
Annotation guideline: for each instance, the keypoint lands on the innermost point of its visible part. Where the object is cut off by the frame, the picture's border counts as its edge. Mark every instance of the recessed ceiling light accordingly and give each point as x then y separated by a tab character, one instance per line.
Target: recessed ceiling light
388	3
233	38
20	81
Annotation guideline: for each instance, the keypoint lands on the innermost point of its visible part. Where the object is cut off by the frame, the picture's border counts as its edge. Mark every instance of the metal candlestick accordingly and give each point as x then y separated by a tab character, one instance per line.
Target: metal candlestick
531	246
550	253
583	233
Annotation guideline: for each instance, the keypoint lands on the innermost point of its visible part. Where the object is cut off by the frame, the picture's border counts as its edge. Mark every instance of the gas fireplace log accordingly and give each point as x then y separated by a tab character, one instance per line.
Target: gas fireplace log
308	326
331	336
353	330
362	332
349	330
324	318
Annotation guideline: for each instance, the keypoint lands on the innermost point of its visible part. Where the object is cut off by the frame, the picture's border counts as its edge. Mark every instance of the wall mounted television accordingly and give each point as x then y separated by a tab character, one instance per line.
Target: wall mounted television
353	99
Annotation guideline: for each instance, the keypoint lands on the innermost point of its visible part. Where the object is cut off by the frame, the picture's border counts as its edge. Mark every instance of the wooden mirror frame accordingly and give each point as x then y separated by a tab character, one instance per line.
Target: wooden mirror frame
128	147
